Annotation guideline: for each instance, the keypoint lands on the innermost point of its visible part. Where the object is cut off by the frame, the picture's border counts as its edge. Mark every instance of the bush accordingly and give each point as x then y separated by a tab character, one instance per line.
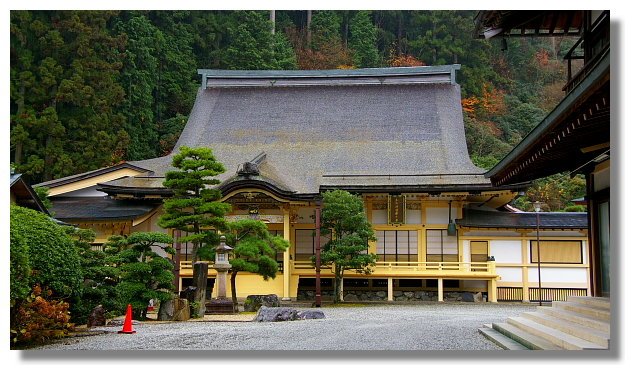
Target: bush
20	267
52	255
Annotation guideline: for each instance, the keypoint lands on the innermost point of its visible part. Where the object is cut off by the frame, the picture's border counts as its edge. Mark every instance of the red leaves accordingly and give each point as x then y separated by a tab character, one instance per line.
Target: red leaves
38	319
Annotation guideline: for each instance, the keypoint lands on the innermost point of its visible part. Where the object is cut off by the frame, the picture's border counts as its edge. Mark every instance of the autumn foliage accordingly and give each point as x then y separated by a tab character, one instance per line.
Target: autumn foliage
39	318
405	60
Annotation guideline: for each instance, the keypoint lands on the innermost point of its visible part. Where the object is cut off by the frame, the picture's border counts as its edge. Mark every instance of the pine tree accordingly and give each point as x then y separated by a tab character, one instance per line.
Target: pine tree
143	273
195	208
343	217
254	251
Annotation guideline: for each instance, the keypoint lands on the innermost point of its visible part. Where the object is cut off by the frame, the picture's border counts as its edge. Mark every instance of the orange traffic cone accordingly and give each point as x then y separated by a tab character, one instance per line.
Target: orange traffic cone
127	324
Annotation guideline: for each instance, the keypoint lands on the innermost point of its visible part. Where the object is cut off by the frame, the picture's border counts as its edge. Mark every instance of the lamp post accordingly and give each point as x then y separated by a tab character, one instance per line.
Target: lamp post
318	250
537	205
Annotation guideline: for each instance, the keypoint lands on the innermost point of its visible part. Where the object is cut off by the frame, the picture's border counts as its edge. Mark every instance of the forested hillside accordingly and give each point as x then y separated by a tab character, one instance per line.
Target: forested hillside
94	88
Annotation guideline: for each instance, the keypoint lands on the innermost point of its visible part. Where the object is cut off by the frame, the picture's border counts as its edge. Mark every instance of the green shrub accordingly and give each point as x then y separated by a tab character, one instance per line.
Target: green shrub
52	255
20	267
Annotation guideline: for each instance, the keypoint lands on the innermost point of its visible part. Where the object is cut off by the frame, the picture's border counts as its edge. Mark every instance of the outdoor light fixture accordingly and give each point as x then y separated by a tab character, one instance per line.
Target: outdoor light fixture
537	205
451	225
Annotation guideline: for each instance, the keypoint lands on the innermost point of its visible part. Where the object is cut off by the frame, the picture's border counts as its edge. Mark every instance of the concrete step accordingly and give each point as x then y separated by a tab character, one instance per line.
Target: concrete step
558	338
589	311
500	339
599	302
574	317
523	337
568	327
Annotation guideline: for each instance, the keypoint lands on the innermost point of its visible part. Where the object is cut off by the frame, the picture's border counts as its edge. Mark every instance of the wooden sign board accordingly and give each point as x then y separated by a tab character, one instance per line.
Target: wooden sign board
396	209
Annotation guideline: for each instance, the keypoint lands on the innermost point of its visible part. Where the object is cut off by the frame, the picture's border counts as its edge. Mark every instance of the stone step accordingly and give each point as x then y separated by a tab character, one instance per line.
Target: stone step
558	338
599	302
500	339
590	311
525	338
585	333
581	319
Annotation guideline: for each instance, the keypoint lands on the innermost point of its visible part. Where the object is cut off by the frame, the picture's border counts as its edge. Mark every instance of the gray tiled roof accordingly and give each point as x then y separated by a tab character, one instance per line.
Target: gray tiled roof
493	219
100	208
364	132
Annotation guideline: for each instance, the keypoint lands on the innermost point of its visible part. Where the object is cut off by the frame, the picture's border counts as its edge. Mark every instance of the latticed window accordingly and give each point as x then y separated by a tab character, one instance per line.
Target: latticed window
305	243
397	245
440	247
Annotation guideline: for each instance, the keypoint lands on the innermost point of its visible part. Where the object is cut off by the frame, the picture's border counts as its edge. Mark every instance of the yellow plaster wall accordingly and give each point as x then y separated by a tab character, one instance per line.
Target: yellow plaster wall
126	172
247	284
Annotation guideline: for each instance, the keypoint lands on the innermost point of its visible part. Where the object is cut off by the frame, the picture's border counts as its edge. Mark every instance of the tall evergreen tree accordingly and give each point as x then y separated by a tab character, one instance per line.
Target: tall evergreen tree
139	80
64	92
253	47
363	41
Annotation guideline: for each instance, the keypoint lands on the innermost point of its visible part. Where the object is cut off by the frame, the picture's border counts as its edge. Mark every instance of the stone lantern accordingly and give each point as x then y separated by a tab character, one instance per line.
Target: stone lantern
220	304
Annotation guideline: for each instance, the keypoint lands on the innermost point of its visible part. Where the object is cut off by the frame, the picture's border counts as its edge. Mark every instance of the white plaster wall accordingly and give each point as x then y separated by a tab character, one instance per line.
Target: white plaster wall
506	251
510	274
439	215
466	251
558	275
412	216
381	217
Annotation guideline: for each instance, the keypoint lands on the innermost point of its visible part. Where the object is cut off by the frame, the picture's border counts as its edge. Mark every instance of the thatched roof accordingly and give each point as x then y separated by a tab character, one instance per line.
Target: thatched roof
387	128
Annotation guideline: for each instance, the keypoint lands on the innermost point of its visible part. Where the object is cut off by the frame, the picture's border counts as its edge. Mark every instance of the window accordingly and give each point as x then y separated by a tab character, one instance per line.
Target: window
557	252
279	255
397	245
478	251
305	243
440	247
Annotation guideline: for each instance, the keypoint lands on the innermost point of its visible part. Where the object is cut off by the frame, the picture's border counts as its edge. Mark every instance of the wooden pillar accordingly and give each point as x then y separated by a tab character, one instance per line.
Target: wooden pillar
440	287
390	293
287	257
492	295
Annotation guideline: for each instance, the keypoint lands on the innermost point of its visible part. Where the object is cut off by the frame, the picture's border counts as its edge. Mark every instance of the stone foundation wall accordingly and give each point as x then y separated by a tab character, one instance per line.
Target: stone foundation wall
382	295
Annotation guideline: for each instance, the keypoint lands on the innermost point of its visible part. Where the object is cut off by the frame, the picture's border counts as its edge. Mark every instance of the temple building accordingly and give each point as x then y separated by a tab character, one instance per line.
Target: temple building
395	137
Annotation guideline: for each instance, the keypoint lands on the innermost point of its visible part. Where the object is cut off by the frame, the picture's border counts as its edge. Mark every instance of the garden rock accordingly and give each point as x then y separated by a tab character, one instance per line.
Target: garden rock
276	314
97	317
254	301
311	314
176	309
467	297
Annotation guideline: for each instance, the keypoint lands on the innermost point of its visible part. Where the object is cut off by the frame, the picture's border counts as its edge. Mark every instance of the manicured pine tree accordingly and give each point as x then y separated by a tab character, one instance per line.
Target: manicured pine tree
254	251
194	208
344	218
143	273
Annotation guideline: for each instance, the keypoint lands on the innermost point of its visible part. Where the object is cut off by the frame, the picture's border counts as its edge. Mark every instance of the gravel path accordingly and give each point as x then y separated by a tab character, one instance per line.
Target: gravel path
451	326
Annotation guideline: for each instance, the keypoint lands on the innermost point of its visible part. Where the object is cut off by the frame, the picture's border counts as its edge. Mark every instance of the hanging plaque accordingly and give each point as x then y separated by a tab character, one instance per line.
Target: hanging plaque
396	209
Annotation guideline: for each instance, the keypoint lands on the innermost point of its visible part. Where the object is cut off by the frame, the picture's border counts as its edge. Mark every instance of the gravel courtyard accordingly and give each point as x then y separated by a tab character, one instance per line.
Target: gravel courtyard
434	326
